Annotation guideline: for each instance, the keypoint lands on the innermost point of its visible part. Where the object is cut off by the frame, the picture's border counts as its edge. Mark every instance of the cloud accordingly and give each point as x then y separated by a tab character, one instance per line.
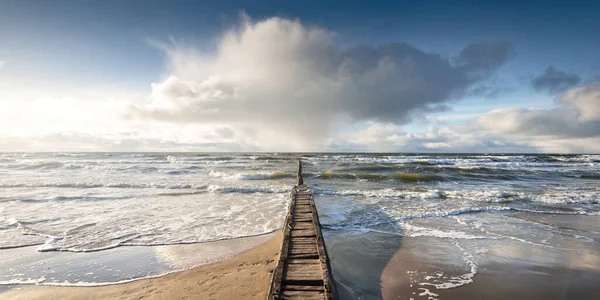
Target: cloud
79	141
572	126
554	81
87	118
287	85
577	116
483	59
385	137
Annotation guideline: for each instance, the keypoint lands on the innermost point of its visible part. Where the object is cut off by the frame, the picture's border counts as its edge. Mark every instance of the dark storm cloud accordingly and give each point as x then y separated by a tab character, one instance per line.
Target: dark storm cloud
554	81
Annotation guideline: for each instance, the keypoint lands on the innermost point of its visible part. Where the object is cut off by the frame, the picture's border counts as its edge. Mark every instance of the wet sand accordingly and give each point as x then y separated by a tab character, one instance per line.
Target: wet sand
426	267
505	272
244	276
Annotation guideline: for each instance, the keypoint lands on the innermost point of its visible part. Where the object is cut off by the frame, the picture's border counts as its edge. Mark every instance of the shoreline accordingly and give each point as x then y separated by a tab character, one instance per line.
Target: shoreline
501	265
114	266
243	276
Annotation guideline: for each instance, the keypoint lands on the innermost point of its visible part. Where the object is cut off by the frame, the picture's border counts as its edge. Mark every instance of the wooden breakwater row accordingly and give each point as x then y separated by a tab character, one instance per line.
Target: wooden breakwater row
303	270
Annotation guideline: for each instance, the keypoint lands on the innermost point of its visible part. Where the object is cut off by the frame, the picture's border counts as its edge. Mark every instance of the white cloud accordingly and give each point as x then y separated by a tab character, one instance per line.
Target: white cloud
572	126
1	64
285	85
38	118
381	137
577	116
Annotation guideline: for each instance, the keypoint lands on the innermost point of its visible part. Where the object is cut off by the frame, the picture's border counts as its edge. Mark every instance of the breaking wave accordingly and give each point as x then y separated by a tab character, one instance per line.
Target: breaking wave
406	177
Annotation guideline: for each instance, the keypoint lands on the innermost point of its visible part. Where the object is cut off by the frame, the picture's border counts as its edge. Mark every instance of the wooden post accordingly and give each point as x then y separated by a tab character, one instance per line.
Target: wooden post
300	180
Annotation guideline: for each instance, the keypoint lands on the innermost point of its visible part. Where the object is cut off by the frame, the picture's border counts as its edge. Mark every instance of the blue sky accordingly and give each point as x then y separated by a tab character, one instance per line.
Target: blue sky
109	48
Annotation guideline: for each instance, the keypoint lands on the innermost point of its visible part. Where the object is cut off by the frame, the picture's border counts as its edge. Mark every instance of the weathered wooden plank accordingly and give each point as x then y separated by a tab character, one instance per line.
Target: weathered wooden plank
302	220
302	252
303	209
303	256
307	214
302	225
299	253
307	282
304	240
303	271
303	233
303	288
303	246
309	295
303	261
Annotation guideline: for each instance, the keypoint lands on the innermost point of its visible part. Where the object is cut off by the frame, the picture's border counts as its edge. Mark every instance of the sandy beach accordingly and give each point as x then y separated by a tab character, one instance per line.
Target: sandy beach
244	276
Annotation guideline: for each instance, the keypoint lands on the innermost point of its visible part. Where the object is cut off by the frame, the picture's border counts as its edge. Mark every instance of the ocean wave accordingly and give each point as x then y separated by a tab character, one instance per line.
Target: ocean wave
180	159
72	198
375	168
270	157
587	176
31	165
387	220
491	196
179	172
31	244
423	166
254	176
419	231
23	281
184	189
86	185
406	177
185	193
390	162
375	218
245	190
65	154
34	165
53	244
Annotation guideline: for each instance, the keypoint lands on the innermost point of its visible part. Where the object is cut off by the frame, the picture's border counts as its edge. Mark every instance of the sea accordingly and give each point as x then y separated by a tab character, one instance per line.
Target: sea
96	208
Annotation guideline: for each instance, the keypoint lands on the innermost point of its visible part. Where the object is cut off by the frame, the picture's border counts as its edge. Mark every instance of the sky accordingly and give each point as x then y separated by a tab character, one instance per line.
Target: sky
379	76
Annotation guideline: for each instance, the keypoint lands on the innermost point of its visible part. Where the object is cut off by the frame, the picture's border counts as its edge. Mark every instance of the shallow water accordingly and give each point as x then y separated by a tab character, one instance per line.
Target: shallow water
457	221
90	202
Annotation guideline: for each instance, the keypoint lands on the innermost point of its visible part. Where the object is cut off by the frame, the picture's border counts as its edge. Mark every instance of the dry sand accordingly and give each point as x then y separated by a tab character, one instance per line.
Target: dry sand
245	276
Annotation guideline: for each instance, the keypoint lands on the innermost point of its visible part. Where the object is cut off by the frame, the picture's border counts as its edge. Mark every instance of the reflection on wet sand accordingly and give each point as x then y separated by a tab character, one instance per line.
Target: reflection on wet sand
505	269
358	259
387	262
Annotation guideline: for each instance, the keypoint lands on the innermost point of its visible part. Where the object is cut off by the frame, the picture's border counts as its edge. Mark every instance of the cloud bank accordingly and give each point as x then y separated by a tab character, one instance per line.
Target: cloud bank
572	126
554	81
286	86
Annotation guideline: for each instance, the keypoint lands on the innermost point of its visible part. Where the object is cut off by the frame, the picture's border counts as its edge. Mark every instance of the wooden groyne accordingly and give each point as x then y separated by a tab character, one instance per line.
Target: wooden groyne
303	270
